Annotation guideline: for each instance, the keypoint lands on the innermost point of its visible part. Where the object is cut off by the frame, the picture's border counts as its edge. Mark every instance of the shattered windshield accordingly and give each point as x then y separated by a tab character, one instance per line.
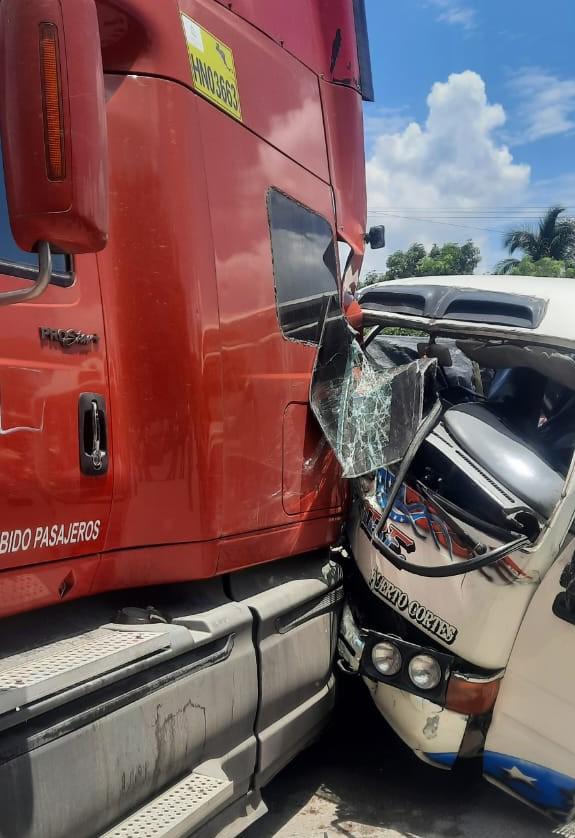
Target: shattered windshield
368	411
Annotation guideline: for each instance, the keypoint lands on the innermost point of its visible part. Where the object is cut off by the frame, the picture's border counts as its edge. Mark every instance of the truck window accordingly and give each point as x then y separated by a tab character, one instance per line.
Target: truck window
18	262
304	264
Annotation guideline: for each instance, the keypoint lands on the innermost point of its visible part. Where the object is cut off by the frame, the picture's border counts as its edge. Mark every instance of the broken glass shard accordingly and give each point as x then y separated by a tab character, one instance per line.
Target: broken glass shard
368	412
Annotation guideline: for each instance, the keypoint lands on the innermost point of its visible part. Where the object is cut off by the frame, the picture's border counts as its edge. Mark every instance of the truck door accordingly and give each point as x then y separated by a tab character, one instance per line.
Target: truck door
272	217
530	747
56	488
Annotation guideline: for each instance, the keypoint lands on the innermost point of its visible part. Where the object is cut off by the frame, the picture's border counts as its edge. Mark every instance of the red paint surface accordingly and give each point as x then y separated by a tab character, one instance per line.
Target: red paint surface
161	308
279	96
343	115
40	385
311	474
209	430
308	30
269	545
29	588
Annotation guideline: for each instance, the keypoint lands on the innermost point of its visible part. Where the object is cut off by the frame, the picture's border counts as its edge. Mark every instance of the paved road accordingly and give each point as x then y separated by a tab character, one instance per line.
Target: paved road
360	781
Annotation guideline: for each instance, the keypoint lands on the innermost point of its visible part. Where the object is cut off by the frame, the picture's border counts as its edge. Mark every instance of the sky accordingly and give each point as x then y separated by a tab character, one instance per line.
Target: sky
473	127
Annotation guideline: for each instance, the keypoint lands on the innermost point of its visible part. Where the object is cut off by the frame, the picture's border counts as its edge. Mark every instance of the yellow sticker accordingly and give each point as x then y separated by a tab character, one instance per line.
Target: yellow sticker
213	68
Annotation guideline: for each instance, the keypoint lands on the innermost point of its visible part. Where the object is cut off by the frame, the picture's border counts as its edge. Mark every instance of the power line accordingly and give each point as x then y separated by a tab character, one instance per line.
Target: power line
465	215
481	207
446	216
436	221
458	212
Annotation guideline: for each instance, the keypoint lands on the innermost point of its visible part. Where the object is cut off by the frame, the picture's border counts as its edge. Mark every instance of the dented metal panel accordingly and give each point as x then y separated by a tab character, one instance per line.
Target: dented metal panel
498	464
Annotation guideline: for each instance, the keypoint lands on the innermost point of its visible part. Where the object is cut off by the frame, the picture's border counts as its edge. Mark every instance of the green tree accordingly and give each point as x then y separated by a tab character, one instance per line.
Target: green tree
448	260
552	238
542	267
405	263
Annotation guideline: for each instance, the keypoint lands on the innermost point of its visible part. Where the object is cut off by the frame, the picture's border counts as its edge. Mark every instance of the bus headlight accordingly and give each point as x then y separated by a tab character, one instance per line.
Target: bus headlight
386	658
424	672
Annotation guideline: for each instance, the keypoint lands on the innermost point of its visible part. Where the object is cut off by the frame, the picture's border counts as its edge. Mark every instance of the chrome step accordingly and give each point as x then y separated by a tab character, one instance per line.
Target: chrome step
34	674
178	811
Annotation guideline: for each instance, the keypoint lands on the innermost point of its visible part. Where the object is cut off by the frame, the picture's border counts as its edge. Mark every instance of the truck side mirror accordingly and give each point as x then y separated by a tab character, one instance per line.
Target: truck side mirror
53	125
376	237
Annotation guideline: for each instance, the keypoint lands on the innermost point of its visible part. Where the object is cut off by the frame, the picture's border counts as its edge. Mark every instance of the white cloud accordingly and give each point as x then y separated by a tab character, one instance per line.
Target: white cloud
451	165
382	120
455	13
546	104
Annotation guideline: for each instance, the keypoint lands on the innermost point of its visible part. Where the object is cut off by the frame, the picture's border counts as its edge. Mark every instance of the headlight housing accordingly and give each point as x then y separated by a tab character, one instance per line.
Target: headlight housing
420	670
424	672
386	658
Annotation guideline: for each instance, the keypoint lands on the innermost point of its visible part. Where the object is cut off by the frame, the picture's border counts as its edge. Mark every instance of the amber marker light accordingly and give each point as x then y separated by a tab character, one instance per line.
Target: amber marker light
471	696
52	102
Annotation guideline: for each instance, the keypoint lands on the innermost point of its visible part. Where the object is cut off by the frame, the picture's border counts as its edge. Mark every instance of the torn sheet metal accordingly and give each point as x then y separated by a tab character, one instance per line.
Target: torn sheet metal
368	412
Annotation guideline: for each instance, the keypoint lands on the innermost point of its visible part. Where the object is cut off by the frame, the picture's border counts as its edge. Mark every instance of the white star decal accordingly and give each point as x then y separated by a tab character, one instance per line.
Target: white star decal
516	774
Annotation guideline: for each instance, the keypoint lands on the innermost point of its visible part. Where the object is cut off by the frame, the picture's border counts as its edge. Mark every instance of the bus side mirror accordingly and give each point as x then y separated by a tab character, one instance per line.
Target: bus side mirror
53	124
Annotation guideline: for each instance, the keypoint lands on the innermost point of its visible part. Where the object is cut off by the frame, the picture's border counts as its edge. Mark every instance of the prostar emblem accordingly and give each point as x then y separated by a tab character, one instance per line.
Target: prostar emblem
67	337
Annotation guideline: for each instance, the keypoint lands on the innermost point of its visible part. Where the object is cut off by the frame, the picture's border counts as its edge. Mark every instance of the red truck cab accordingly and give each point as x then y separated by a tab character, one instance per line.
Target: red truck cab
155	430
185	326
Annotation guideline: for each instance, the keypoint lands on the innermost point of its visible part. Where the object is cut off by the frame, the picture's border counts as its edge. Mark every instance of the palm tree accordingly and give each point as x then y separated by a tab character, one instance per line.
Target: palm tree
553	238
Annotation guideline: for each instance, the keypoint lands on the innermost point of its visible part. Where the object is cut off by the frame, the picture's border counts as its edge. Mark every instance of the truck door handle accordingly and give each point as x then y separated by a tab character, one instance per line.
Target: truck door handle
93	434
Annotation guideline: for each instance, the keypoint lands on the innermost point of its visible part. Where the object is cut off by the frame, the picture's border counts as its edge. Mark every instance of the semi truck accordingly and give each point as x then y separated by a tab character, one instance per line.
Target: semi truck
183	188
